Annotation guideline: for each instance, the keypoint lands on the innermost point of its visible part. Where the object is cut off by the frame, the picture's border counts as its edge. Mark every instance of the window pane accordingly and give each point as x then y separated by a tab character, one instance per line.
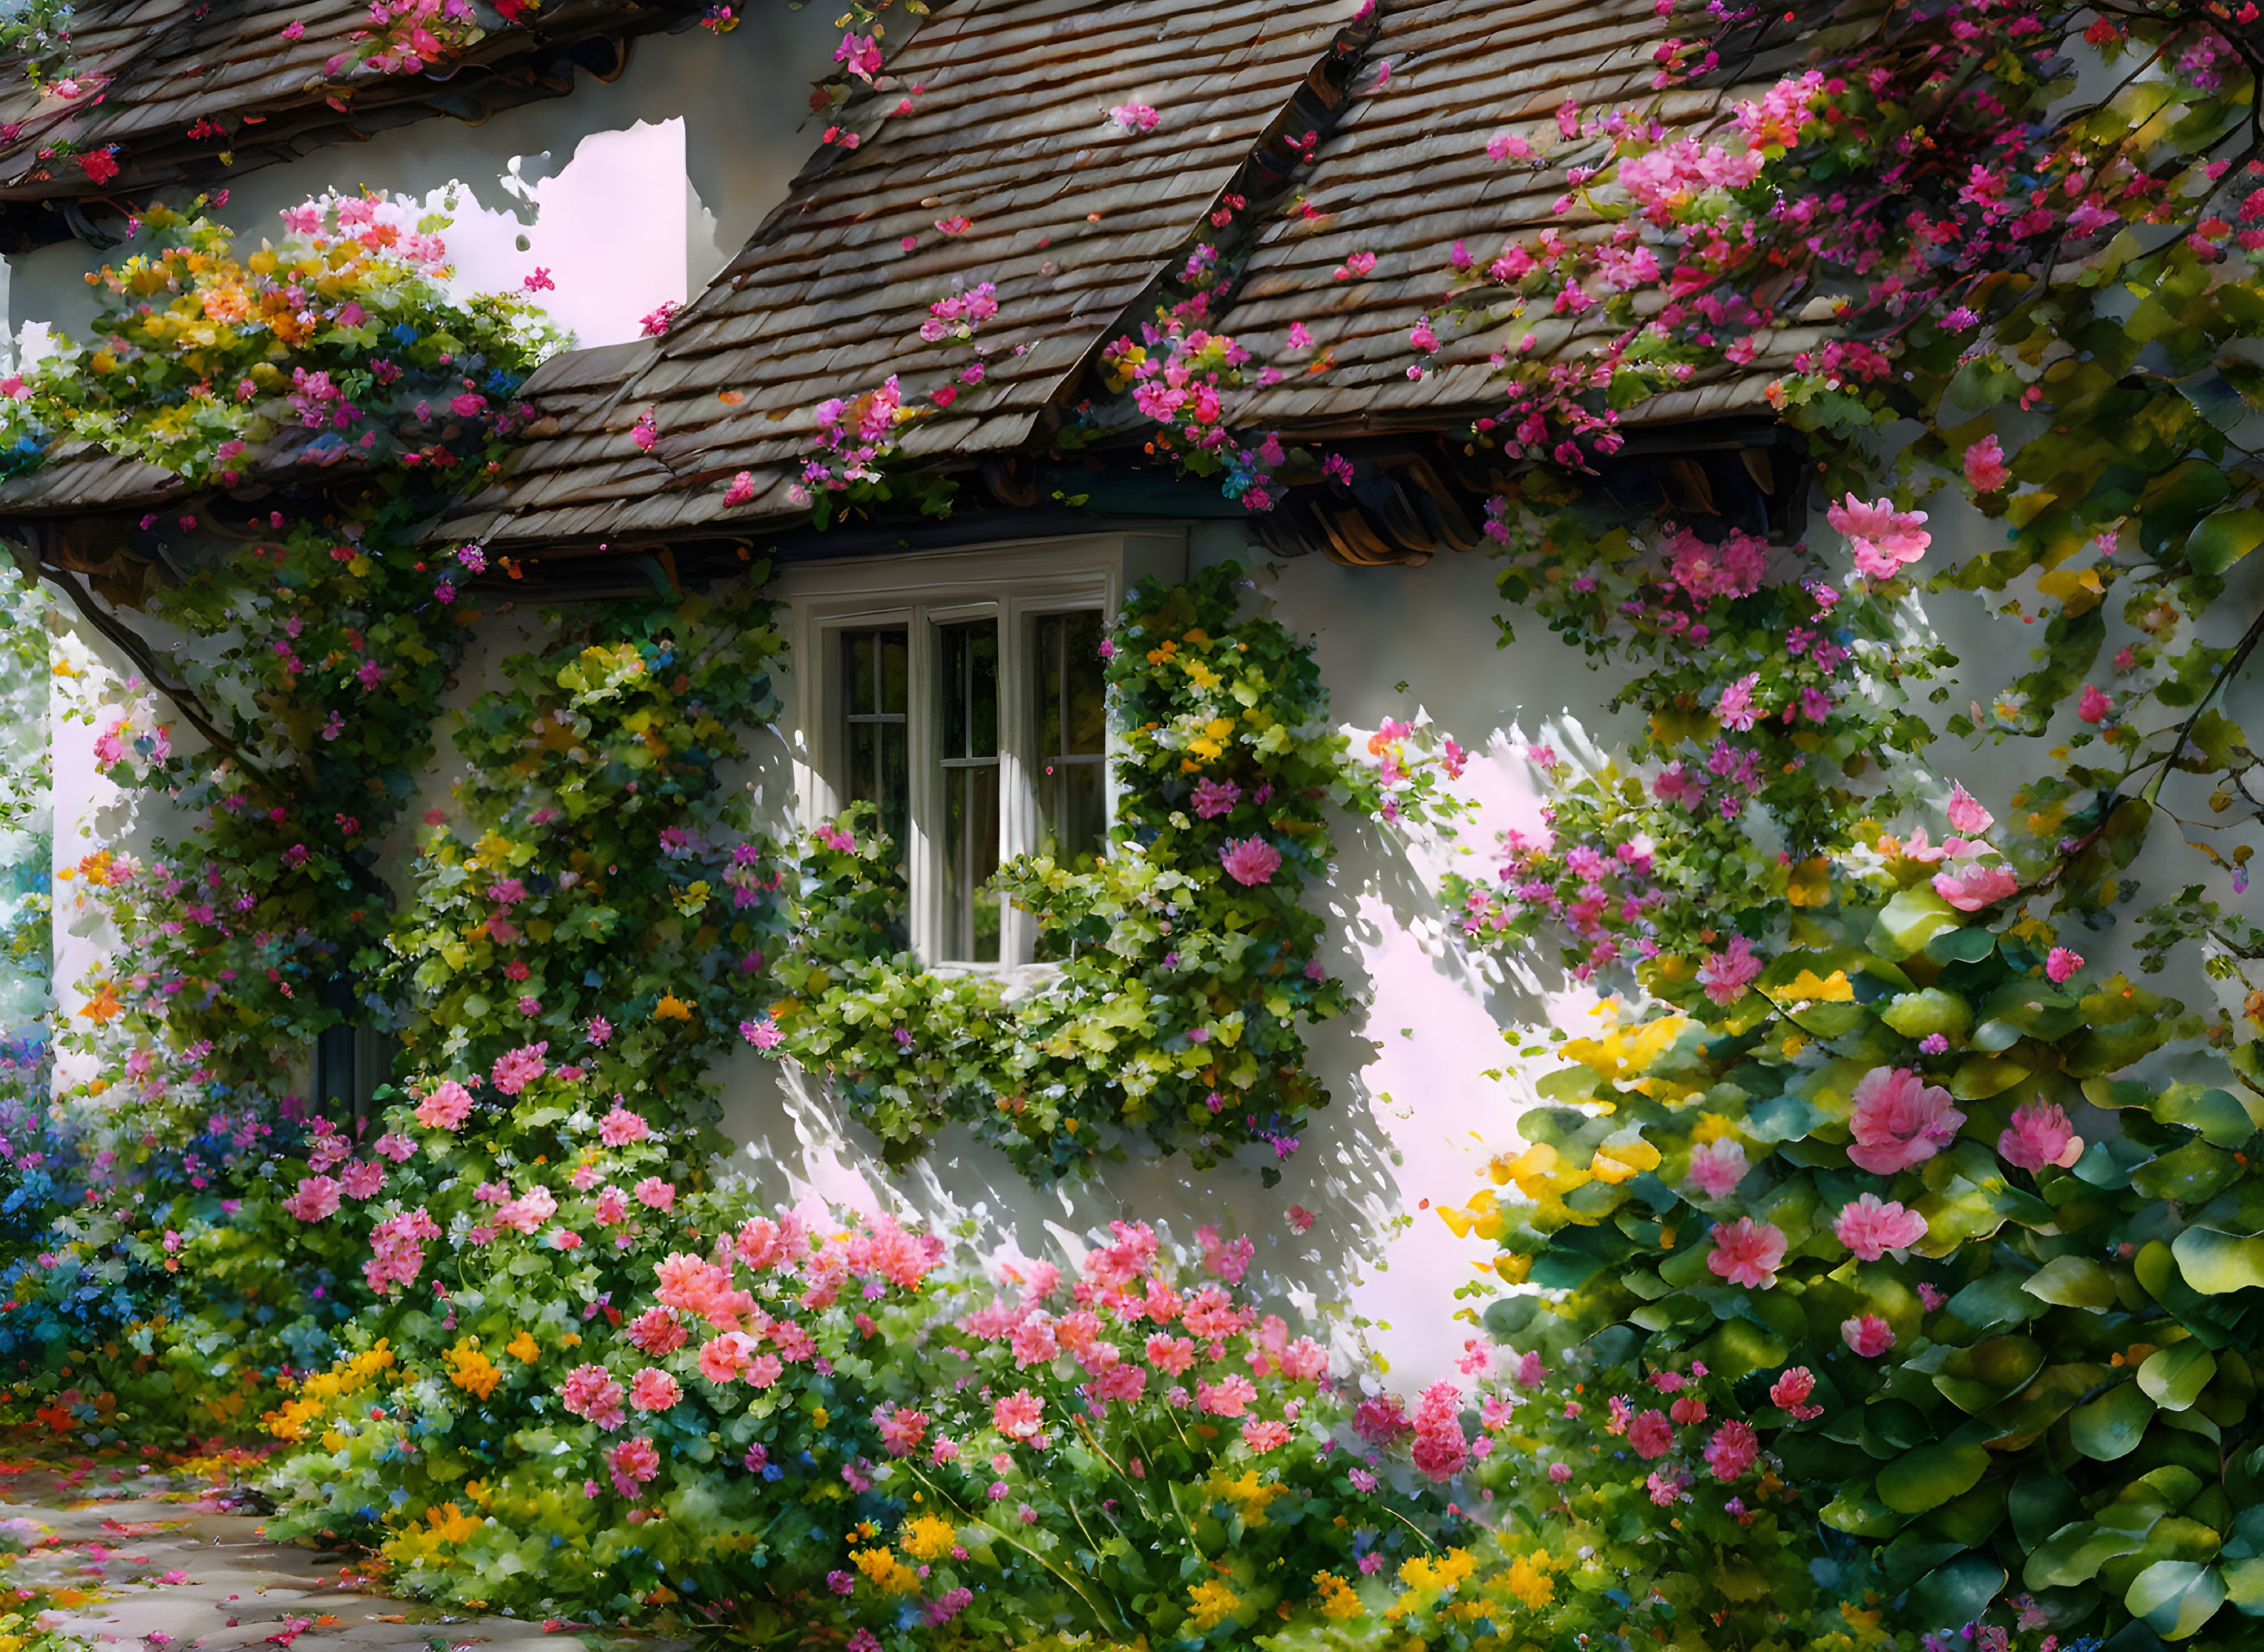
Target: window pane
896	672
971	854
970	690
1081	821
873	668
1053	631
1085	692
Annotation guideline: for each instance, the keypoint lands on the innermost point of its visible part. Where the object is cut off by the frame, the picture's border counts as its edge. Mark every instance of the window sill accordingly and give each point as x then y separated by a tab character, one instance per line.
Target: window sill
1017	982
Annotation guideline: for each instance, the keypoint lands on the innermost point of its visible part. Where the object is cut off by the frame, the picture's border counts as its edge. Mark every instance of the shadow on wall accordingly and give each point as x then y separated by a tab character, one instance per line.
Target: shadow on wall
1425	1091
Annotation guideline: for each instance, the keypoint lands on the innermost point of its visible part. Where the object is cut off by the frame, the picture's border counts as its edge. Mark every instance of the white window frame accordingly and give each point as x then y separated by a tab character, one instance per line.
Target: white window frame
920	591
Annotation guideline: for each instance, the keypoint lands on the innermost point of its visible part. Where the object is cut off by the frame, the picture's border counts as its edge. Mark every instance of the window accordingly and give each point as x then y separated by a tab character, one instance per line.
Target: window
968	752
351	1059
1072	746
961	692
877	694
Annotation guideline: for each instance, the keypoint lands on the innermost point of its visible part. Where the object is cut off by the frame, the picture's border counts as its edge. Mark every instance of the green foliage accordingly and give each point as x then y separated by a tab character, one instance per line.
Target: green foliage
1173	1010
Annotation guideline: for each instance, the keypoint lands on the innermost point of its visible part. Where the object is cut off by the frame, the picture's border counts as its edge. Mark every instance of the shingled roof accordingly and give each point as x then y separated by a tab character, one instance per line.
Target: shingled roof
194	92
1073	217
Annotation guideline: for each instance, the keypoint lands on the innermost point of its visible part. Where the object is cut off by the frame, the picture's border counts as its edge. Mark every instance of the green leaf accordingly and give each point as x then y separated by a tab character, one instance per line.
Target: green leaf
2219	1116
2193	1174
2224	540
1957	1593
2112	1425
1921	1480
2174	1376
2219	1264
2243	1585
2072	1282
2176	1597
1913	918
1916	1014
2074	1553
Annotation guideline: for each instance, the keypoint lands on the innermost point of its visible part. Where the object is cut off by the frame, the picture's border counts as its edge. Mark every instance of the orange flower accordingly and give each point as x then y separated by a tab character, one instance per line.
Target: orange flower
671	1008
103	1005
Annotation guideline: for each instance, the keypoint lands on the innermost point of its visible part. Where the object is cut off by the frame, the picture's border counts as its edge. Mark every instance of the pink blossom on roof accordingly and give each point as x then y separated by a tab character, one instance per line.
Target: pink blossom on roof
859	54
1133	117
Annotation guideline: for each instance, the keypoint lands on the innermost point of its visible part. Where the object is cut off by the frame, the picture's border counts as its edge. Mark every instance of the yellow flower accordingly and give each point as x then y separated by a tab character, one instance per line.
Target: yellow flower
886	1573
1338	1601
522	1346
1248	1496
671	1008
471	1371
1530	1580
927	1538
1211	1602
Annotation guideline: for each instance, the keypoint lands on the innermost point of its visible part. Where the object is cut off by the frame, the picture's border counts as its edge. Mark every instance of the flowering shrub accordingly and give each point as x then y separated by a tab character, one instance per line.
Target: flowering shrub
1896	1168
628	1396
1186	962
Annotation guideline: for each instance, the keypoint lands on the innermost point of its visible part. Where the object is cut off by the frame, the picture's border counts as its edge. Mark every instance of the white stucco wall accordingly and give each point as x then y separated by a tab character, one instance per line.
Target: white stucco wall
1415	1115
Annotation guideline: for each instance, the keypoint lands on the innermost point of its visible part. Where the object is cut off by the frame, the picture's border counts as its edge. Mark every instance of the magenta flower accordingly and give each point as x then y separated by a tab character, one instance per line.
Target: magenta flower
764	1034
1250	861
1732	1450
590	1393
1214	798
2039	1136
1790	1393
516	1070
1899	1120
1736	708
1718	1166
1868	1335
1651	1435
601	1030
1984	466
1870	1228
1883	539
1440	1449
633	1463
2094	705
2061	964
316	1199
1727	974
1747	1252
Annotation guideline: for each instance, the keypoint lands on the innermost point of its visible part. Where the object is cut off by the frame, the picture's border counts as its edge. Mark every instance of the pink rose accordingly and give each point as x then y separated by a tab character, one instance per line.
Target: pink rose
1732	1450
1651	1435
2061	964
1870	1228
1966	814
316	1199
1868	1335
446	1108
653	1389
1984	466
1975	886
2094	705
1747	1252
1899	1120
2039	1136
1017	1416
1718	1166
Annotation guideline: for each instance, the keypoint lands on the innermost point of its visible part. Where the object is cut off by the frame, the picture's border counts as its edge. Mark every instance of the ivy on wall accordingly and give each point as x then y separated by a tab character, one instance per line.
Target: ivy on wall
1186	962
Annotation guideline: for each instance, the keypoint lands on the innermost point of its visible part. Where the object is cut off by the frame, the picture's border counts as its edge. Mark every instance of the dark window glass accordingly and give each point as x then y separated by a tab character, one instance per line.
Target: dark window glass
969	661
874	665
1073	734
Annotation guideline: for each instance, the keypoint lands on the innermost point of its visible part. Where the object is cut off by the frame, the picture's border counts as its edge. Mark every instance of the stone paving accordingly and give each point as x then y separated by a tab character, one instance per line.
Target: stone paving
173	1570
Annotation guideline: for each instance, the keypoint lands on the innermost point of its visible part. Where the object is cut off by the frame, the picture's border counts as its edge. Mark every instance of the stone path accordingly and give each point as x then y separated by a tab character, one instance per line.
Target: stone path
165	1570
